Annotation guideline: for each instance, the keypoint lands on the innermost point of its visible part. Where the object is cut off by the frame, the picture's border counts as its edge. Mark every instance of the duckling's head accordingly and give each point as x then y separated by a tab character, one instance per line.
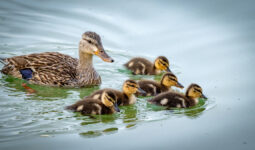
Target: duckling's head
91	44
169	79
161	63
195	91
131	87
109	99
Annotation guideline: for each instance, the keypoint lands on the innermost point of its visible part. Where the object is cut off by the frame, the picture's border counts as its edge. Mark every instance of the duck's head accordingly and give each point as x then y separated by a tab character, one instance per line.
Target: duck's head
91	44
195	91
169	79
161	63
131	87
109	99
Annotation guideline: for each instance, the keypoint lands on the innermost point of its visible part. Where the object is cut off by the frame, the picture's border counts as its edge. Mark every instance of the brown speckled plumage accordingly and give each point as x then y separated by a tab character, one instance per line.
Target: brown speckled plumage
56	69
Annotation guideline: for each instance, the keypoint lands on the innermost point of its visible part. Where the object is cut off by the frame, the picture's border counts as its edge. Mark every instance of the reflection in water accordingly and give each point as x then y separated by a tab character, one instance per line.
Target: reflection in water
129	114
91	134
192	112
96	133
44	92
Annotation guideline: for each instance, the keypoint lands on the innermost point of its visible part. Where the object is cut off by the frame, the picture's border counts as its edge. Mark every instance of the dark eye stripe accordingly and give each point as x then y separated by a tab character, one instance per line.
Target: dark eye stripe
131	85
131	82
110	99
173	79
163	63
198	90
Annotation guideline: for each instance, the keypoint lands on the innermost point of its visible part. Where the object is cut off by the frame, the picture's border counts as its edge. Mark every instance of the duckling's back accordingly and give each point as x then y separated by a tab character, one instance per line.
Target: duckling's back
90	106
140	66
151	88
171	99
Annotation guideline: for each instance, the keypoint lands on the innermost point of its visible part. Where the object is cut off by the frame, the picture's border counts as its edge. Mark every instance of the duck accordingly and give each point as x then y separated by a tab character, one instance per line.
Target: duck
124	97
178	100
107	104
153	88
142	66
61	70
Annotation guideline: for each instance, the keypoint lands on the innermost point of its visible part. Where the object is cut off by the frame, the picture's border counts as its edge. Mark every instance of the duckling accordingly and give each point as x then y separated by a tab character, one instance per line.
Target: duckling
107	104
56	69
173	99
126	97
153	88
142	66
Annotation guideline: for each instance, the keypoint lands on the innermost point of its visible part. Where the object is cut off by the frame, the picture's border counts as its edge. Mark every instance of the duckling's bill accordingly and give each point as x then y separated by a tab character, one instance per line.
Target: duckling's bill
168	69
179	85
116	107
141	91
203	96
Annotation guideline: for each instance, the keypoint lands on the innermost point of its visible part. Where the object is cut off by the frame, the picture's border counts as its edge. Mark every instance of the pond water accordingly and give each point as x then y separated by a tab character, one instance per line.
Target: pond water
208	43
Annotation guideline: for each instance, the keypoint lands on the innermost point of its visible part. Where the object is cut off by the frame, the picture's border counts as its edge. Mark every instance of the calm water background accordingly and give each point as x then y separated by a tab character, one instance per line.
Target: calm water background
207	42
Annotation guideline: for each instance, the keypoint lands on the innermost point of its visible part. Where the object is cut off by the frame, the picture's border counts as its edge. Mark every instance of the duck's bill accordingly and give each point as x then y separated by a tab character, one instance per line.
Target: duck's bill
141	91
168	69
116	107
179	85
203	96
104	56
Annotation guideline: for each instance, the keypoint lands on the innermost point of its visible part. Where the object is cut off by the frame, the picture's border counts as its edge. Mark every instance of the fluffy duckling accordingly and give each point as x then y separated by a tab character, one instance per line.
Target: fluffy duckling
107	104
56	69
153	88
125	97
142	66
172	99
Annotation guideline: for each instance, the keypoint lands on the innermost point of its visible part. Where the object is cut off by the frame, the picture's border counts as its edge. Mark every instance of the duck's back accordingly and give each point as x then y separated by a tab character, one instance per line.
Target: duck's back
49	68
171	99
140	65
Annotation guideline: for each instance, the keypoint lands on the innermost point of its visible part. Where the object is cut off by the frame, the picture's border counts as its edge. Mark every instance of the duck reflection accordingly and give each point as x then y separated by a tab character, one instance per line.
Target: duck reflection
97	133
128	116
92	120
192	112
42	92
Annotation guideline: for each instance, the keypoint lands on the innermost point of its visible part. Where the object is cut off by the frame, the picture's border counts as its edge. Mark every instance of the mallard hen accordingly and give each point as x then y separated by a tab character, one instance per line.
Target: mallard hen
56	69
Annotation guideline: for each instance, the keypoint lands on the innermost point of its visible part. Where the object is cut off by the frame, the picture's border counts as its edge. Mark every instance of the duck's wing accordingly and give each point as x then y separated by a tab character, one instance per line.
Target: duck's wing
49	68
